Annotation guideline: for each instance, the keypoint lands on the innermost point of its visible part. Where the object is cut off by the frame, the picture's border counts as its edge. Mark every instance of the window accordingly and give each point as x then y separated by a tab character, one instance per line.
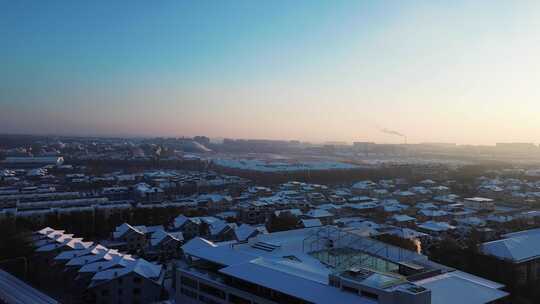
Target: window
137	280
368	294
188	293
212	290
238	300
120	291
350	289
207	300
188	282
105	292
119	281
136	291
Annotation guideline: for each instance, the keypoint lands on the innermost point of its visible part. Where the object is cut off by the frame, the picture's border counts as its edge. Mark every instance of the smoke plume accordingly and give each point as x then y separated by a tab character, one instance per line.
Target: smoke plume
392	132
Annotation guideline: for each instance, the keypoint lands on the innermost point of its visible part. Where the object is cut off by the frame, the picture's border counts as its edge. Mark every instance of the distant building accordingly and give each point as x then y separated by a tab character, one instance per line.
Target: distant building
147	193
480	203
30	161
364	147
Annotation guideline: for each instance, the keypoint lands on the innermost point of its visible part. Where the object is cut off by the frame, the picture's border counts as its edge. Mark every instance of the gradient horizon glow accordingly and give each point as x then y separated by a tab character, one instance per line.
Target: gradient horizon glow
436	71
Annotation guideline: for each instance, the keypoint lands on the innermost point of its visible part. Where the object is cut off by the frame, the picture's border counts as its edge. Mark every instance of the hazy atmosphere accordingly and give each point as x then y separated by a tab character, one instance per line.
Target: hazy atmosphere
458	71
276	152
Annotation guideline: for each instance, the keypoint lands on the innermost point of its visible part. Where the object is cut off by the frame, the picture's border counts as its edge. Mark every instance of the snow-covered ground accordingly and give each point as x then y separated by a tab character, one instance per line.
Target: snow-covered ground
279	166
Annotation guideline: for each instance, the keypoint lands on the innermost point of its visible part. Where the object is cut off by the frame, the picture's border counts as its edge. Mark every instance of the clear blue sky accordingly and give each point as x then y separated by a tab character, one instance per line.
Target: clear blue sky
460	71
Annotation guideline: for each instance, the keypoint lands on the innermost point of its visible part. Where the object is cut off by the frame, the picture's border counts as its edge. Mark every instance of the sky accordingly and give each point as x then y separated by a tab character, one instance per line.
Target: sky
436	71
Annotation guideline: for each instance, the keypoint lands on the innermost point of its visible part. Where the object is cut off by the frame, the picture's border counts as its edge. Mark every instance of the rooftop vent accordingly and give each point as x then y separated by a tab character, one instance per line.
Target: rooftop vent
265	246
416	289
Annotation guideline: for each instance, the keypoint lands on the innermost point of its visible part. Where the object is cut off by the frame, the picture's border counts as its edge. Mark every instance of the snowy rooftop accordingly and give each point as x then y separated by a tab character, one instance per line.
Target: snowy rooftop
278	261
517	247
436	226
458	287
88	257
139	266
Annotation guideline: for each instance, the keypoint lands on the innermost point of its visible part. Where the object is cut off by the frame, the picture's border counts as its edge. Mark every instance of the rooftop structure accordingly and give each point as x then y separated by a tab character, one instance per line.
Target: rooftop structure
319	265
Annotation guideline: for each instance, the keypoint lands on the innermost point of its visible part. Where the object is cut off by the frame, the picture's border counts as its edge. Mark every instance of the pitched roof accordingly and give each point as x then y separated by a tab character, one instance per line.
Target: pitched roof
519	248
308	223
139	266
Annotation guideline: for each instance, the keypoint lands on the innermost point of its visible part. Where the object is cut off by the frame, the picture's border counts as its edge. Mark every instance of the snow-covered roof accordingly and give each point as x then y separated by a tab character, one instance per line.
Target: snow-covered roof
318	213
215	198
140	266
244	231
295	212
97	254
472	221
277	261
65	241
303	283
517	247
403	218
436	226
308	223
433	213
457	287
479	199
364	185
407	233
362	206
116	261
121	230
159	235
273	166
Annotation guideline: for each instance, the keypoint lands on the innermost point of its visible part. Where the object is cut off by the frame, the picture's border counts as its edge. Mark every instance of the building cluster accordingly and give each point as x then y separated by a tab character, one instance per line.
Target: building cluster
110	149
37	195
87	272
200	236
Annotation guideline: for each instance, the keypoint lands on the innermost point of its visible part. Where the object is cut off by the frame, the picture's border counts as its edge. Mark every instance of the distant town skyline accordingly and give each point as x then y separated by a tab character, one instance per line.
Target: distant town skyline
446	71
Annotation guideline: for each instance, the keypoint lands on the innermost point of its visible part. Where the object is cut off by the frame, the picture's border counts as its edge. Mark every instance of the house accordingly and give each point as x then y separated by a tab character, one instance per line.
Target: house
137	282
255	212
310	223
133	238
165	244
479	203
214	201
363	187
146	193
403	220
517	256
324	216
207	226
186	225
436	228
244	232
